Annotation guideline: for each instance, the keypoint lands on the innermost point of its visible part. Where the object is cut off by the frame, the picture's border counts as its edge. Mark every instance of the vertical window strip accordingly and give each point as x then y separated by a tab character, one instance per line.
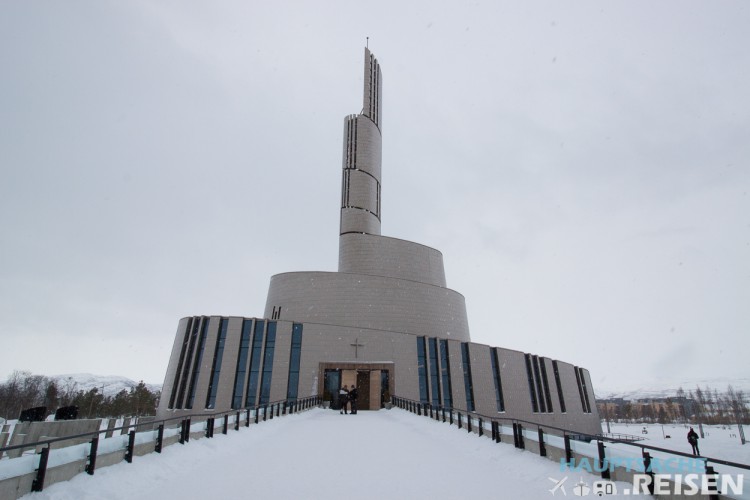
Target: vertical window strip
422	370
295	353
180	362
445	370
265	380
434	372
559	386
251	398
186	368
468	384
580	390
354	150
545	384
530	377
538	379
494	358
377	200
240	373
352	143
198	360
213	383
585	391
345	189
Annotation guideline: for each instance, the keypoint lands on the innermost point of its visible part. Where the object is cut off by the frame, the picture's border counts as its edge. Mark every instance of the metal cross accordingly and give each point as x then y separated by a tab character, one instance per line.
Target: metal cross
356	346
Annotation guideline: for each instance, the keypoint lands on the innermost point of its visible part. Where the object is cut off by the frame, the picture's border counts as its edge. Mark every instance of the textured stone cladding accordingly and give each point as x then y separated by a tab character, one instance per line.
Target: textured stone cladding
365	301
335	344
391	257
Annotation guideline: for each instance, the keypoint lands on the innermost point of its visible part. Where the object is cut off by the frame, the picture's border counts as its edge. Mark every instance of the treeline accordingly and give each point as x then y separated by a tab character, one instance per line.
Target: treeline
24	390
707	406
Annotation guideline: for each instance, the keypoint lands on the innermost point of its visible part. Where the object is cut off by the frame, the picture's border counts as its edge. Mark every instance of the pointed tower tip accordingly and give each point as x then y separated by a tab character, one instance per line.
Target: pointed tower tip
371	106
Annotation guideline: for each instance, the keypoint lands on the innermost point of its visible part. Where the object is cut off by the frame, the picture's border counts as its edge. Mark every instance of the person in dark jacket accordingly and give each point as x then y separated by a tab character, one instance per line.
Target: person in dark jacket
692	438
353	395
343	399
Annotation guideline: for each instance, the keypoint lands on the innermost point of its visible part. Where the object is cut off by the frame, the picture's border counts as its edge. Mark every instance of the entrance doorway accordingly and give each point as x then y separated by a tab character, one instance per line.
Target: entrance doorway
373	381
363	389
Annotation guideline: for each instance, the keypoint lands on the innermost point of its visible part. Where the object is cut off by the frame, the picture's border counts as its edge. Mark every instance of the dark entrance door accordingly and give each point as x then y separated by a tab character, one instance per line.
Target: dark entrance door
331	386
363	390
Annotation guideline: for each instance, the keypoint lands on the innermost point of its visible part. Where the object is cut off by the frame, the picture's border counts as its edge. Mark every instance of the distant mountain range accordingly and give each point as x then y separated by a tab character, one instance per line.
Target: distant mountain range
668	388
109	384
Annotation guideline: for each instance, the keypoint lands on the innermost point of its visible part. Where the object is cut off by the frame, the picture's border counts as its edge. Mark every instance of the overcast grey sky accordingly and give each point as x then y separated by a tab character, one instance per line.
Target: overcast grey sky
583	166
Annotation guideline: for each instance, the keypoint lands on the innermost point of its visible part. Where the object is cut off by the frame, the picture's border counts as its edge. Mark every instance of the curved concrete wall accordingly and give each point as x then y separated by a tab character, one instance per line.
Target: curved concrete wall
360	183
391	257
364	301
324	343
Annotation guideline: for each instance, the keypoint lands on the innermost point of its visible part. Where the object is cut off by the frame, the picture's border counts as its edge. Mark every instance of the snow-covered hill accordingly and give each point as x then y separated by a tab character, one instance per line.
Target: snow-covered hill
663	388
109	384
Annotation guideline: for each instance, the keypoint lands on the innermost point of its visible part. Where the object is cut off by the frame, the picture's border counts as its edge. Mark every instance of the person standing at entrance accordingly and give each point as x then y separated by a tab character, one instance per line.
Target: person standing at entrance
344	399
353	395
692	438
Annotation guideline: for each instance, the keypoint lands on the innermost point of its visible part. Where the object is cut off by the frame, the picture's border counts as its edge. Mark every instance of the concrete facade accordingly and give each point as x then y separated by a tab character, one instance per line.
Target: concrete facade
386	318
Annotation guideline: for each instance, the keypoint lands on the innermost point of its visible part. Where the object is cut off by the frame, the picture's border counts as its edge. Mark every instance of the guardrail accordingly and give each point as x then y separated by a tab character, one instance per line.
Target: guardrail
574	448
163	432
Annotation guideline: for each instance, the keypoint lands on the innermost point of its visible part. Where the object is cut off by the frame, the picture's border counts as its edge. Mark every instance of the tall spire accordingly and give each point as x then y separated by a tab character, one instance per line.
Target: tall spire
360	184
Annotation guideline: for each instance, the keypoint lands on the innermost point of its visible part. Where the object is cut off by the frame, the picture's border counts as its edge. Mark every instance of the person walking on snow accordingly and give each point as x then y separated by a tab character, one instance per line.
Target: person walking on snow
692	438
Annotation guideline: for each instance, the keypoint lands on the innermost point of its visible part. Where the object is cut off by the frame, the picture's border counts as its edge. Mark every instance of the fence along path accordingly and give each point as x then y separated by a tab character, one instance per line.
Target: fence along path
618	460
48	461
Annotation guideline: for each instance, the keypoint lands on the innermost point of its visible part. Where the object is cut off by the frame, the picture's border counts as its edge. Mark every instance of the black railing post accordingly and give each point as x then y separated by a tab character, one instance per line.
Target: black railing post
159	438
451	416
542	447
257	413
480	428
493	427
515	435
237	421
568	450
713	490
521	442
460	424
278	409
265	412
647	470
442	410
283	411
38	483
247	418
468	422
187	430
603	464
272	411
91	466
131	446
209	427
182	431
226	424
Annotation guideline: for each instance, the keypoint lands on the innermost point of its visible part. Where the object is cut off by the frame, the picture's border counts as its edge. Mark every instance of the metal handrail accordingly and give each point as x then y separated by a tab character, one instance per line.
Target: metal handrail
149	423
569	432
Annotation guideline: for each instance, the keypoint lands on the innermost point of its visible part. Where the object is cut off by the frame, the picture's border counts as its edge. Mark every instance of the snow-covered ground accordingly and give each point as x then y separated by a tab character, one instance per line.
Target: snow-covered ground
322	454
722	442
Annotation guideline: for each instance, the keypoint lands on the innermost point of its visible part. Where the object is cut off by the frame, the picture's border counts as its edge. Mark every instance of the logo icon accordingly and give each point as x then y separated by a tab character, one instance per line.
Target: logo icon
558	485
581	489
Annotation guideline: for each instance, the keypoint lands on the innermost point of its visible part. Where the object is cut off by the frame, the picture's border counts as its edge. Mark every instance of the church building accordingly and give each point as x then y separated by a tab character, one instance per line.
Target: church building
385	322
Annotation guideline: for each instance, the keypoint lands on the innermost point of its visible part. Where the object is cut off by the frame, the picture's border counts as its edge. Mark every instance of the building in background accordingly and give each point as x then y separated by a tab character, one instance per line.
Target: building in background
385	321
